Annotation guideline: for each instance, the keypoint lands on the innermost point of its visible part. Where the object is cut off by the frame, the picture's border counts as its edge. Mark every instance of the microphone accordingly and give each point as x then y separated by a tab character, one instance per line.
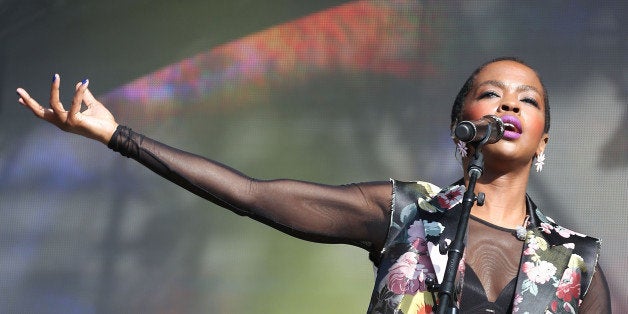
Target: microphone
487	130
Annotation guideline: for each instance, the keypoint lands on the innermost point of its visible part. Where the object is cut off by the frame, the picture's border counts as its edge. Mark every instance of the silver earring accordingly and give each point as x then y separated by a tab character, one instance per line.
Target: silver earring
461	147
540	161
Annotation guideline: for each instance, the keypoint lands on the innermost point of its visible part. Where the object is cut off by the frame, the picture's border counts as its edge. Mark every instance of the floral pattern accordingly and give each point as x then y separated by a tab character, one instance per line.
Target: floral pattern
569	286
451	197
408	274
555	268
538	273
554	272
413	254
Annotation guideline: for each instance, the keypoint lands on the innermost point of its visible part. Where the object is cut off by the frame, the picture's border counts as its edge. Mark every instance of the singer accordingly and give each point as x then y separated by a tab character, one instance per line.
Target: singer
516	258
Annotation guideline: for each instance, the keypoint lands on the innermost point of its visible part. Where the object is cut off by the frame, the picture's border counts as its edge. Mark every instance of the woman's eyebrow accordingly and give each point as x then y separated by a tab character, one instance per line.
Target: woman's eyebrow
500	84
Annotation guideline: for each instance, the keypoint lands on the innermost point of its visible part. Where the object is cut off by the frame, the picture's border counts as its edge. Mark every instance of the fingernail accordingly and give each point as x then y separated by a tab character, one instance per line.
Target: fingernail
85	81
54	77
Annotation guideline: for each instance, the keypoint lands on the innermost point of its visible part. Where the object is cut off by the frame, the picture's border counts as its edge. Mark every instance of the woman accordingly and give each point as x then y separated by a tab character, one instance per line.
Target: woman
405	226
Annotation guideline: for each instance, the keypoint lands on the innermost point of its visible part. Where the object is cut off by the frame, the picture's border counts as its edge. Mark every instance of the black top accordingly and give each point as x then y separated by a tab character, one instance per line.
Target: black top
495	252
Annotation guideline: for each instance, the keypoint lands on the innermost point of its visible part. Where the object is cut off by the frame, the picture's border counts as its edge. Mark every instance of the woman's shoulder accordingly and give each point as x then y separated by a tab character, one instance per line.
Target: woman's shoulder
415	187
551	227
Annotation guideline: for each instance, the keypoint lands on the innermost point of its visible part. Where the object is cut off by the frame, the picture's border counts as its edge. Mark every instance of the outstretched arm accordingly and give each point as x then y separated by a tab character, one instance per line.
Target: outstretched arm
354	214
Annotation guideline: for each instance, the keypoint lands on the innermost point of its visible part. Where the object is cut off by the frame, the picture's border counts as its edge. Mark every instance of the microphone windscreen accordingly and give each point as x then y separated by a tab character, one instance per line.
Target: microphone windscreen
465	131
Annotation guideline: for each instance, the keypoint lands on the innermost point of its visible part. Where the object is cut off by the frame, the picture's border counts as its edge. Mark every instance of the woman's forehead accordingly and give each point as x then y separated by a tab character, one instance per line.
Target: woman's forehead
509	72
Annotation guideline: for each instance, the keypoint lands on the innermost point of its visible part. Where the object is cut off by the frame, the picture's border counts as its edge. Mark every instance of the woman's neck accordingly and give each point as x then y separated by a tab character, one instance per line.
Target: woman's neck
505	203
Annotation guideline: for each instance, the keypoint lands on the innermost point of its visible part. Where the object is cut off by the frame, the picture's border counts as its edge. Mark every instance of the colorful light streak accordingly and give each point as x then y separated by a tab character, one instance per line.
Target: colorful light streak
393	37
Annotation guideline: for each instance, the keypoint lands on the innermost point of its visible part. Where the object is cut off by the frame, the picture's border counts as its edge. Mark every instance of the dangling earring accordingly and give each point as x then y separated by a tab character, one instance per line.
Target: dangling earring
461	147
540	161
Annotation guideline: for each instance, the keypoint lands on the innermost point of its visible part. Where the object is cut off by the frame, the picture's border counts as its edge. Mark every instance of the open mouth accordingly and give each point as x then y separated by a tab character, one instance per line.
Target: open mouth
512	127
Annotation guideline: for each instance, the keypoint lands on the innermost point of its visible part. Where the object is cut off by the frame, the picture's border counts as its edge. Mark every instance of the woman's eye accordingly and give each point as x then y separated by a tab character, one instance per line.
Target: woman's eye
488	94
531	101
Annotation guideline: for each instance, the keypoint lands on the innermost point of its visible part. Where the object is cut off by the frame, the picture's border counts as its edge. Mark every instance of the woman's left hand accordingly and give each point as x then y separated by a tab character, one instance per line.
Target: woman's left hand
95	122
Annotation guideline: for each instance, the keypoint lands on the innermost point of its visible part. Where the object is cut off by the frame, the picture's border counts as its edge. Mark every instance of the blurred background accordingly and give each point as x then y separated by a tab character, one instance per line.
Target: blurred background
326	91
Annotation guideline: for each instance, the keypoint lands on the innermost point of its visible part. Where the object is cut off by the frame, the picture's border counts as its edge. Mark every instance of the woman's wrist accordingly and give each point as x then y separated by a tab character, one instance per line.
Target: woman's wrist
106	136
125	141
109	134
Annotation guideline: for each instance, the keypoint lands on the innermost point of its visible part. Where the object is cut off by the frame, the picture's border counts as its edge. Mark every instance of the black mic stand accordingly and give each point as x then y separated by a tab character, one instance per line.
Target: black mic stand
446	296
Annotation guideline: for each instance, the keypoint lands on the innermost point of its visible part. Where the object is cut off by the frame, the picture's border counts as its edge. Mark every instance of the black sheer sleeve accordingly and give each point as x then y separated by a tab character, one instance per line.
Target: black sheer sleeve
598	299
356	214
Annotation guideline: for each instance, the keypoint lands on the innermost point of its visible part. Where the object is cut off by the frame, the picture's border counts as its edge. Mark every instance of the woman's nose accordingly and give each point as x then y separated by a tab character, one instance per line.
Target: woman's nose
509	107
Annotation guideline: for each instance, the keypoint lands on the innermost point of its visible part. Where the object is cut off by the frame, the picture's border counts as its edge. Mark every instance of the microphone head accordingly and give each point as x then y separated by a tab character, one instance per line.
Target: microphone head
465	131
487	130
497	129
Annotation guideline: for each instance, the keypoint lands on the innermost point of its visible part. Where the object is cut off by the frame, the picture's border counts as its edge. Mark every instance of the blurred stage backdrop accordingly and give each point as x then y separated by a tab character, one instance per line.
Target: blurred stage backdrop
326	91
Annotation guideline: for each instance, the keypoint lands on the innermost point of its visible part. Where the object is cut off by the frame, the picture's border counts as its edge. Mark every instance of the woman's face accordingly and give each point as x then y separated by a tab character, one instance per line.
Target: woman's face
513	92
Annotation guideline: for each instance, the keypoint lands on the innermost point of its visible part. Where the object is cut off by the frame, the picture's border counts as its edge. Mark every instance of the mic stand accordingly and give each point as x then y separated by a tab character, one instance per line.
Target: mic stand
447	300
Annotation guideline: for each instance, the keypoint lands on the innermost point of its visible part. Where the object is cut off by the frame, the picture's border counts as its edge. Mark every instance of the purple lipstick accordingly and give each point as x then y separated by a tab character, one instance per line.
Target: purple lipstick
512	127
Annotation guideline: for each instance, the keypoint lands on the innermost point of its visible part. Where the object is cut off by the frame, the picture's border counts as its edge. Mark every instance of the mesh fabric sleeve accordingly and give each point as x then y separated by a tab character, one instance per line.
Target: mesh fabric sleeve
356	214
597	299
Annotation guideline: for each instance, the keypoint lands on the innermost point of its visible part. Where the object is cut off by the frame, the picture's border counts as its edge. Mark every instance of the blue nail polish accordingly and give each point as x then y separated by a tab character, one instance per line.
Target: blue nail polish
54	77
84	81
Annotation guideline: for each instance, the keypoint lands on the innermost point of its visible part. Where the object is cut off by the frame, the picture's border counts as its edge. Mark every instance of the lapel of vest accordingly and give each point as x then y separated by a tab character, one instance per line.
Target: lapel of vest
448	223
550	262
542	264
441	214
557	265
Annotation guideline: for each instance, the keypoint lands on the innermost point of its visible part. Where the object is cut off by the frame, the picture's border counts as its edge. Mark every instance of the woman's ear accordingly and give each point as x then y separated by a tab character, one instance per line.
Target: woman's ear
542	144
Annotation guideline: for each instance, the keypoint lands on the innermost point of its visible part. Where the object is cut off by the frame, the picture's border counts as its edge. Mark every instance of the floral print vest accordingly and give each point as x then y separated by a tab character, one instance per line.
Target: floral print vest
557	264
